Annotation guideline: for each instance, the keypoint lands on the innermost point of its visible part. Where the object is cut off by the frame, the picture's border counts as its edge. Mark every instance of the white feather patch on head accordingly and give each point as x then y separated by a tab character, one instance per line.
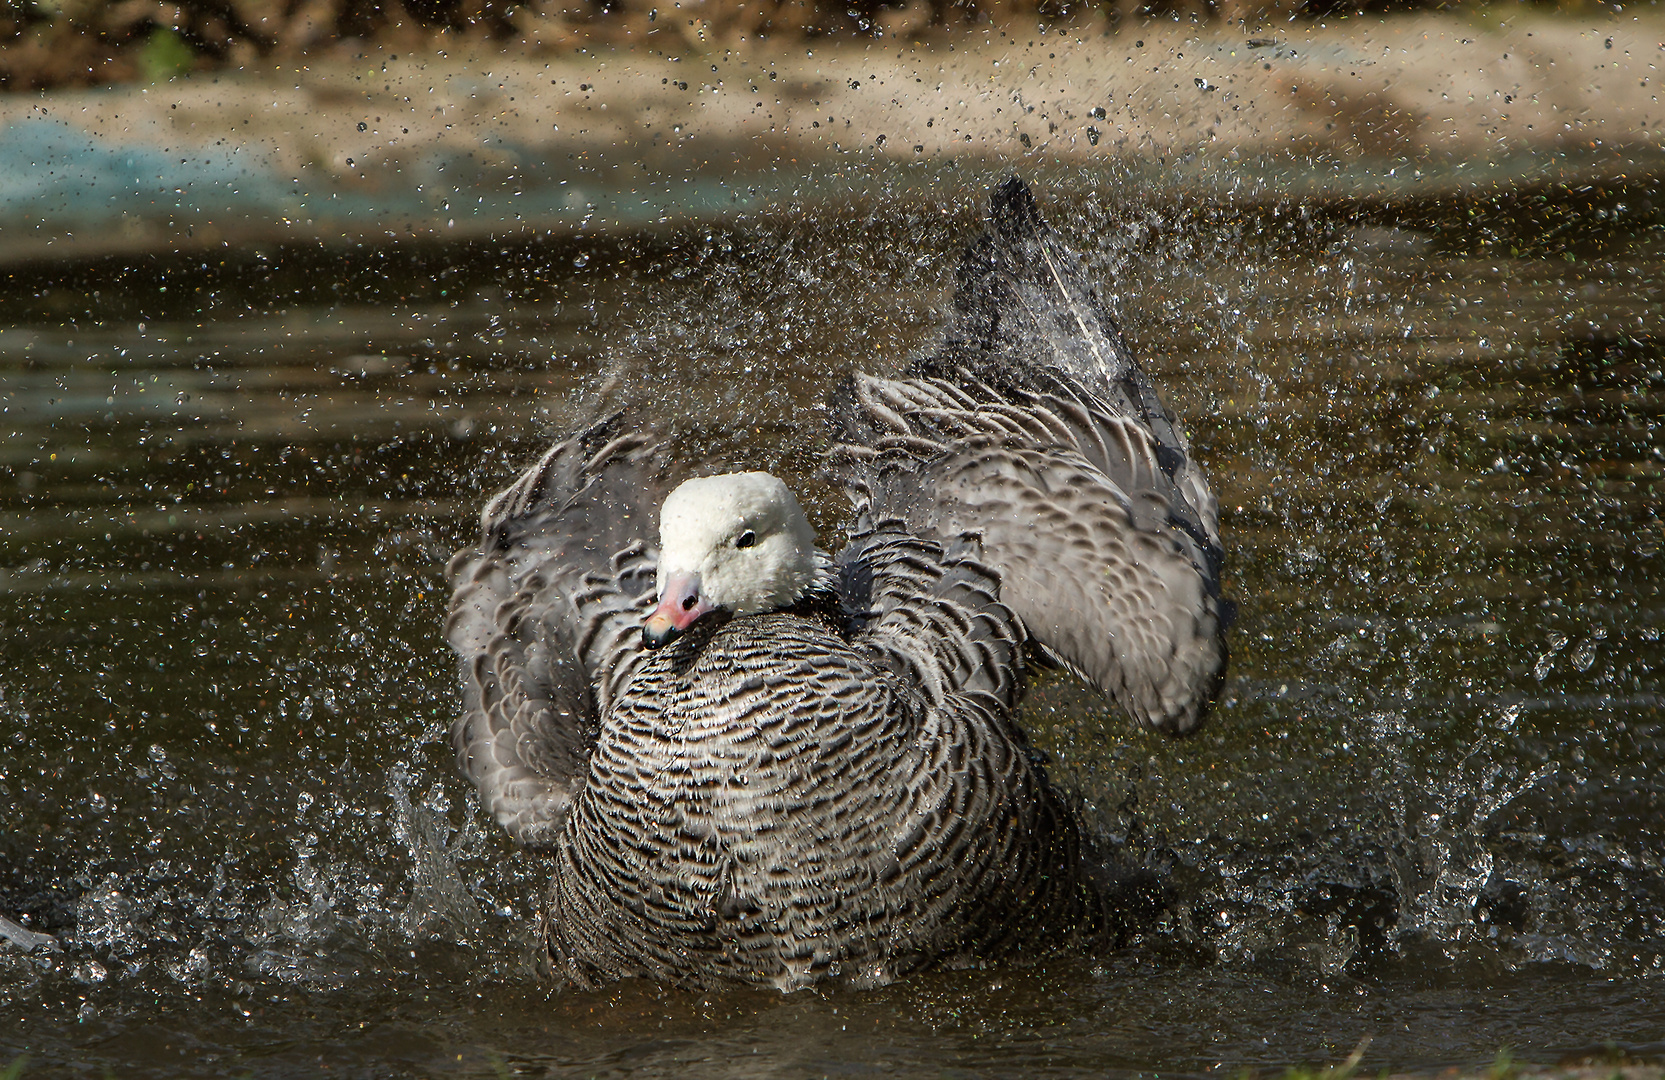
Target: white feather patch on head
702	529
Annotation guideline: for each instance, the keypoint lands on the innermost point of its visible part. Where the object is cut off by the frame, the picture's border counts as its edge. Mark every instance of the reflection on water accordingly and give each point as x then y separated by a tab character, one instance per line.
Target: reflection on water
1428	809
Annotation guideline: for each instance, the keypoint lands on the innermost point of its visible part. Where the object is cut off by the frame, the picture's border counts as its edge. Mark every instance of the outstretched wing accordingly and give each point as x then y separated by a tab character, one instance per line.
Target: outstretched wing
546	615
1027	322
1033	428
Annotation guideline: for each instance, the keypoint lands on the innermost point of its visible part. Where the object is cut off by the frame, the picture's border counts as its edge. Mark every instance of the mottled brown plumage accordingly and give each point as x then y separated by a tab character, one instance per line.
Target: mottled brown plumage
839	788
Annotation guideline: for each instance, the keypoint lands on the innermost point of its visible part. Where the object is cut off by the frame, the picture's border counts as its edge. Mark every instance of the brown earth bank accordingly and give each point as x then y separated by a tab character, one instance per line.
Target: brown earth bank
388	142
56	43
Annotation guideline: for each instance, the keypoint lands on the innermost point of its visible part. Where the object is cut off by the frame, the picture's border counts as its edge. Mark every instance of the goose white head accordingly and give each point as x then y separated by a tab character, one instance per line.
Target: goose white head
737	543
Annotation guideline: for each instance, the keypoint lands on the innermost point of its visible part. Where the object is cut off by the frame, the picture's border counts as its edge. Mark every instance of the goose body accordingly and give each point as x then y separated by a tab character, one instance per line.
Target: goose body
751	763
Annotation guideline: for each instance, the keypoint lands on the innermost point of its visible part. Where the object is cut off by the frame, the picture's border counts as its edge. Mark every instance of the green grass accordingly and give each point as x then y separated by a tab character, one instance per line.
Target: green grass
1503	1067
164	55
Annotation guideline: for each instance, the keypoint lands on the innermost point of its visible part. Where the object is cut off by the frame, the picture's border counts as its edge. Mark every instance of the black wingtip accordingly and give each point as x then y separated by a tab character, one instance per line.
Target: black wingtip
1012	210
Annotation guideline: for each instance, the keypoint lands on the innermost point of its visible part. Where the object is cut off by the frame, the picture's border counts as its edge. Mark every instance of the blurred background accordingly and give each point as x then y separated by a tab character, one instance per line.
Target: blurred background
288	290
54	43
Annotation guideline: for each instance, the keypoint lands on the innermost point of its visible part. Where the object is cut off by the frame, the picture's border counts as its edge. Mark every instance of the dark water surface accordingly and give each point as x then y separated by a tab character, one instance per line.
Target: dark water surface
1429	811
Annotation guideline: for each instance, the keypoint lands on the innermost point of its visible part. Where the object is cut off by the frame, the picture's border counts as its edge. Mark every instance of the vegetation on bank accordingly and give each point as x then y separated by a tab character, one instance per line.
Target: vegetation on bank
1611	1065
53	43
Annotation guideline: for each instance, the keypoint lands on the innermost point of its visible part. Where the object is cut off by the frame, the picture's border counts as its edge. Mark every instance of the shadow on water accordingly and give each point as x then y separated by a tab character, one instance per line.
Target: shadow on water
1428	810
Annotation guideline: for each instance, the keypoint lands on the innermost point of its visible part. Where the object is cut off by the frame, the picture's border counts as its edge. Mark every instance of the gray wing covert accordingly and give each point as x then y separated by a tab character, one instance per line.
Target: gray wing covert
1027	319
545	617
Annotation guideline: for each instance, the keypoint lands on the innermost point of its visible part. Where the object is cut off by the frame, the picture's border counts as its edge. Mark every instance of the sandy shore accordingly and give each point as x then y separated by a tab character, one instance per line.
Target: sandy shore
387	144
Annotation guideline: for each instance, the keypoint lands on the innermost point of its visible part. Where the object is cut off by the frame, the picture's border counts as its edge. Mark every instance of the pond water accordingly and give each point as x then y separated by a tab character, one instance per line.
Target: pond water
1428	812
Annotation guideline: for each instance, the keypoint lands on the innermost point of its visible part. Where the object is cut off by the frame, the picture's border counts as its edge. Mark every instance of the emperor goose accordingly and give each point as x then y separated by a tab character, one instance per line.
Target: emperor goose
751	762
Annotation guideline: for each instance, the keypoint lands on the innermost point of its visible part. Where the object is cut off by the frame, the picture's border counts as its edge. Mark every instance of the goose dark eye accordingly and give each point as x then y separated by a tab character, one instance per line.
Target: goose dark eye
745	539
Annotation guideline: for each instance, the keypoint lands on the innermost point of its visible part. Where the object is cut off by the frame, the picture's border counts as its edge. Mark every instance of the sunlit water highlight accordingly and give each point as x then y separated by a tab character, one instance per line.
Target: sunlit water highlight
1429	809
